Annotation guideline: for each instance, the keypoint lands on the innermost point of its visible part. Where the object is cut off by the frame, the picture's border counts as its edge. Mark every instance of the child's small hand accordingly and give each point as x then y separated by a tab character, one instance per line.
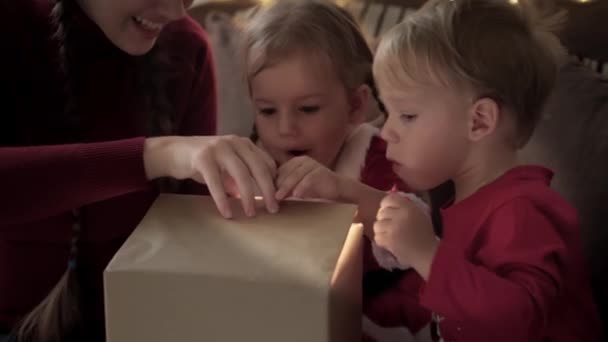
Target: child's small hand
304	177
407	232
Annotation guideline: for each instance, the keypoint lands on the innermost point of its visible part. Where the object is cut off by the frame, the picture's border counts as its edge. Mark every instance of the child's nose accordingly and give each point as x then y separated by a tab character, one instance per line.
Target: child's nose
388	134
287	125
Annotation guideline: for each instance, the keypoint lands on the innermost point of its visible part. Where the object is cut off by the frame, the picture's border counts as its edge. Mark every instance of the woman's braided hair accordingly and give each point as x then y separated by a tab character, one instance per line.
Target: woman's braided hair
58	318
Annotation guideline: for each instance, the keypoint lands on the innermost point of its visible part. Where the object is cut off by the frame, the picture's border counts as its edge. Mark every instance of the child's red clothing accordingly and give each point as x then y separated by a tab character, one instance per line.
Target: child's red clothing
510	266
398	307
363	157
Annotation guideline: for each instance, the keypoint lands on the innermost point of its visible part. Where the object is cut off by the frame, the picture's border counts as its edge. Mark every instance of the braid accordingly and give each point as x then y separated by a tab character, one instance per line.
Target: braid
153	76
62	16
58	316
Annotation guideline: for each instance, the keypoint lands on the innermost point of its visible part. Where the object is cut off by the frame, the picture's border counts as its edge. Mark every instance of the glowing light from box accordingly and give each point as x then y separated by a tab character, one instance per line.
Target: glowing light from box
338	2
514	2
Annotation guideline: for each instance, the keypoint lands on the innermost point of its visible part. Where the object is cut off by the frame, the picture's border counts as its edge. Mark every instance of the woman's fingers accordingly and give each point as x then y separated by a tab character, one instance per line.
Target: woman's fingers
218	161
221	158
232	163
272	165
208	168
260	169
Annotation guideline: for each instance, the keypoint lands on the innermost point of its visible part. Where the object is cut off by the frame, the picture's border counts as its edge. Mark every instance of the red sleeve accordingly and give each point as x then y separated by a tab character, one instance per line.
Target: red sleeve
369	260
399	306
378	171
365	338
506	289
45	180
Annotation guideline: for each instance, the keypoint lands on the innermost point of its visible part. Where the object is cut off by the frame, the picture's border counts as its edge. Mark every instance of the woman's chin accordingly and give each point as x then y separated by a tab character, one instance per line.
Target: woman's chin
134	44
137	48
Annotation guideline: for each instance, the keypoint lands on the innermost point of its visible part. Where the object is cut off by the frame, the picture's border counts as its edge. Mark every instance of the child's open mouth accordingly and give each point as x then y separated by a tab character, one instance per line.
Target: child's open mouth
296	153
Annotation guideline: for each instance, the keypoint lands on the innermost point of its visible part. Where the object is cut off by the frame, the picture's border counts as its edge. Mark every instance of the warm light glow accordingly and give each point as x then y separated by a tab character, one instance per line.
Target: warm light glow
513	2
338	2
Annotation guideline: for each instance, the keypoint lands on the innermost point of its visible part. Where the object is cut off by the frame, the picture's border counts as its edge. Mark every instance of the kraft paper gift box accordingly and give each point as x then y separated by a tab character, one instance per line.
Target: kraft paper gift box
186	274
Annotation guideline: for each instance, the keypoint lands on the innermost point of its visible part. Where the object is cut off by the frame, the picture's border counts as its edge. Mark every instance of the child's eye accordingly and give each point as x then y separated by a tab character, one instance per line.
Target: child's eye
309	109
408	117
267	111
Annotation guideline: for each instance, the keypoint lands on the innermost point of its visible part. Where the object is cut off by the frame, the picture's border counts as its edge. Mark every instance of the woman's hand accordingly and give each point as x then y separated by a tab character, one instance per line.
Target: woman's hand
220	162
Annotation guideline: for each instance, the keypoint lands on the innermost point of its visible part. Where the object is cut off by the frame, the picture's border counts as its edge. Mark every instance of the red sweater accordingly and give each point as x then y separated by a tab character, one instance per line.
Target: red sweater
43	179
510	266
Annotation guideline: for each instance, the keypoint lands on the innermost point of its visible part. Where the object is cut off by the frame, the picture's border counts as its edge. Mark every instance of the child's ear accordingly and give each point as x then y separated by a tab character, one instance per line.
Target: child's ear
359	104
485	114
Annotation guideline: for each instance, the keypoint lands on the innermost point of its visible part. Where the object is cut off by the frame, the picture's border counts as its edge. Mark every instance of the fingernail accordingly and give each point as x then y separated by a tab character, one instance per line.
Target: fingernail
274	208
250	212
